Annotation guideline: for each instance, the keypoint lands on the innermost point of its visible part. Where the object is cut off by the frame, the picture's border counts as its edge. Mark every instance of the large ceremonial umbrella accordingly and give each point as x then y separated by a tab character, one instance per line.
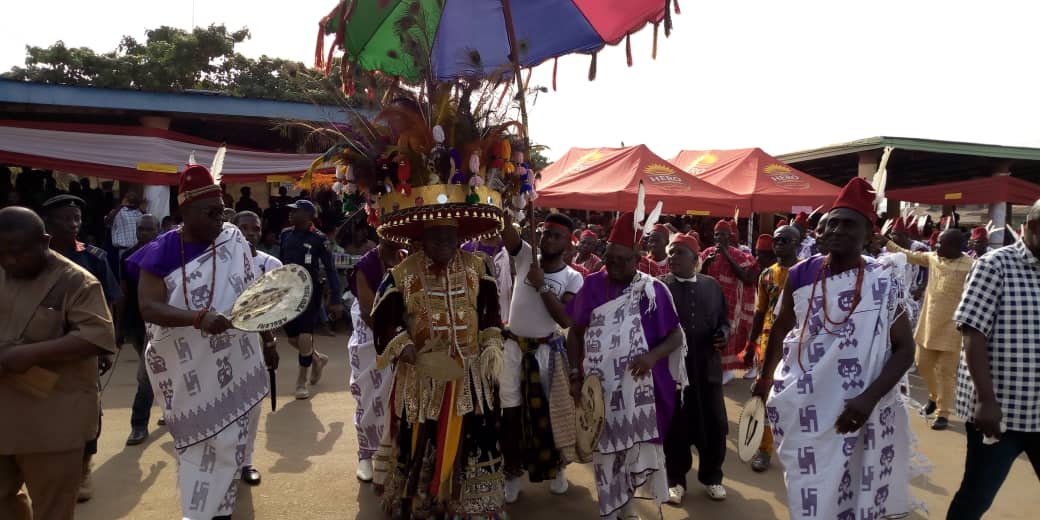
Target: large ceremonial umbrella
429	41
444	40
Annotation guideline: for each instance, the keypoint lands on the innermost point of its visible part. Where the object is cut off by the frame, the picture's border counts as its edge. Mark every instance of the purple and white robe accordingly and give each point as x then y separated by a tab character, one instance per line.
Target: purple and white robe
369	385
207	385
629	460
862	475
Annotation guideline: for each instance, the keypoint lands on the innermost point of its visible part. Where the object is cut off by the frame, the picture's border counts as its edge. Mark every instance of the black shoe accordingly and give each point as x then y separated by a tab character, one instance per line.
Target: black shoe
928	409
940	423
251	476
137	436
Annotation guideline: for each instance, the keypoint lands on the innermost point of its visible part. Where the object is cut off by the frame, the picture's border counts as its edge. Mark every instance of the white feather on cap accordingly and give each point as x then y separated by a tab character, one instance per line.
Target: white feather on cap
640	212
881	176
651	220
218	164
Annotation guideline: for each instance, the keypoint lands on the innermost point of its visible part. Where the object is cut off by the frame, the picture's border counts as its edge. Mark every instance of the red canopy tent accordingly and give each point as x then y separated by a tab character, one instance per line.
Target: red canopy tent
771	185
983	190
607	179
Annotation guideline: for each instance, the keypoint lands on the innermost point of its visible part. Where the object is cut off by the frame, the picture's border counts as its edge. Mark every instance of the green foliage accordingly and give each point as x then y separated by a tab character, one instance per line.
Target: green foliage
537	160
175	60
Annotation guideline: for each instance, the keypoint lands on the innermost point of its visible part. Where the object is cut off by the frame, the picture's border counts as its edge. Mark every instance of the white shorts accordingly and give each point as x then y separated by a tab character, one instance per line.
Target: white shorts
509	381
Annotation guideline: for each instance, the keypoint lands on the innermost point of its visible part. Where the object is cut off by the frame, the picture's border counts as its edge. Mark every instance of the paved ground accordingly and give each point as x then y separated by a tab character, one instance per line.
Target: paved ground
306	451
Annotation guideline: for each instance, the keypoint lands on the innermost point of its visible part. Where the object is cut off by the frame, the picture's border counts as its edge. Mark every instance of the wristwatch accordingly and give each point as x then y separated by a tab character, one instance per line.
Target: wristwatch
544	289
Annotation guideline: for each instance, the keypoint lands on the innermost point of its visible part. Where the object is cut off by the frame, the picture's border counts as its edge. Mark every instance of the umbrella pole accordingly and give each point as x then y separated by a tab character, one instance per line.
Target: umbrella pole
522	94
515	58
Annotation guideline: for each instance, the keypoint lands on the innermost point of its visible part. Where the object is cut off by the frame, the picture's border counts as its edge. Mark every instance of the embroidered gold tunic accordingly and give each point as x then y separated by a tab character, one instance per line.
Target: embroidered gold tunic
450	315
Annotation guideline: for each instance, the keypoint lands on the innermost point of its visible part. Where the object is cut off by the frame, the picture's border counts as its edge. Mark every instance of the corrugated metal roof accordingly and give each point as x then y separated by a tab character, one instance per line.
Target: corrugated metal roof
909	143
166	102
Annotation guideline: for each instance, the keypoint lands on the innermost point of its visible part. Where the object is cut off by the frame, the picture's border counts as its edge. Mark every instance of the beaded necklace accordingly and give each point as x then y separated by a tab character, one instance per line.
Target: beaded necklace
821	279
184	275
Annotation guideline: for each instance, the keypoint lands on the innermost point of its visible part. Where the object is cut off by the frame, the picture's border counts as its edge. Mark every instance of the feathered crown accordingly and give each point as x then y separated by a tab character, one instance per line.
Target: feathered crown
405	171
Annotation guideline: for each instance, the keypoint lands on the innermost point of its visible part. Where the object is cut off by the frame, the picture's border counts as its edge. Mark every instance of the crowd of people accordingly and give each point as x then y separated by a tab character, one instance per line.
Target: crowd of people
471	355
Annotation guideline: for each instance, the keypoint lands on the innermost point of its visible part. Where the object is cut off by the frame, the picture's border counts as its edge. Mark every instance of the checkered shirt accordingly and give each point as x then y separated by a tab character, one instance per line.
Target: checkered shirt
124	227
1002	300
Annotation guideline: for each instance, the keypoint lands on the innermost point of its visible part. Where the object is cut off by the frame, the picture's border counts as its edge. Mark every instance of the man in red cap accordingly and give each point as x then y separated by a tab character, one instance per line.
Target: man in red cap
835	406
770	284
807	246
207	377
737	272
938	341
701	418
625	331
916	274
655	263
588	241
978	245
764	251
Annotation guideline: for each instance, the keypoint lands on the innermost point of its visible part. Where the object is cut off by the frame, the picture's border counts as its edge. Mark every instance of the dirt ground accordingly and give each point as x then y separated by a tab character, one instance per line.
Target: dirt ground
306	451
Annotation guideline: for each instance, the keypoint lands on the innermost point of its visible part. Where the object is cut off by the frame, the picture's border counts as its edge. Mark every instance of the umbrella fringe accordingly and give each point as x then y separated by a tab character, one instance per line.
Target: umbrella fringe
667	18
592	67
502	97
556	62
677	10
328	60
653	52
628	48
319	48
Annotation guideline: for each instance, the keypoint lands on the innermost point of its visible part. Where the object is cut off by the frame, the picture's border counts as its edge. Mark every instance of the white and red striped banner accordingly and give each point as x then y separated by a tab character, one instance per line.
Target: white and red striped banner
132	153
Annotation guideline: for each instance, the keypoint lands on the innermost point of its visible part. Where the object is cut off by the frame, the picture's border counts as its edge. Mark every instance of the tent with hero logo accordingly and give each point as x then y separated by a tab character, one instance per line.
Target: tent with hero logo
607	179
766	183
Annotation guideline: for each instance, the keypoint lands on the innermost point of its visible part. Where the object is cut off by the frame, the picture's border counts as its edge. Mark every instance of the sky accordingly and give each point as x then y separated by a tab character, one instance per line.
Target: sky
779	75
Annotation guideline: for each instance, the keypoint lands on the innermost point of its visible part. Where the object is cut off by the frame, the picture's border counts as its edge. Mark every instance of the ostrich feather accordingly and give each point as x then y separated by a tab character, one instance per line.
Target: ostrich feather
887	227
655	215
881	177
1014	234
990	228
640	212
814	212
218	164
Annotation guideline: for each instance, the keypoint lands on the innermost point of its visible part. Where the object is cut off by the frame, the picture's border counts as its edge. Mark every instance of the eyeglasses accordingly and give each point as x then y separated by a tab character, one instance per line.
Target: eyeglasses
213	212
781	240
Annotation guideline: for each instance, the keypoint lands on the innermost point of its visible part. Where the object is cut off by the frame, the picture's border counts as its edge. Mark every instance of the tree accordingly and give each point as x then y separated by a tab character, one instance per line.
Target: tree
175	60
537	160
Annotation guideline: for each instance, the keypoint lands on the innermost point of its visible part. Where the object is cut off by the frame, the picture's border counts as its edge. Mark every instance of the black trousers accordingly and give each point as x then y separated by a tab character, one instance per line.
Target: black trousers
986	467
700	422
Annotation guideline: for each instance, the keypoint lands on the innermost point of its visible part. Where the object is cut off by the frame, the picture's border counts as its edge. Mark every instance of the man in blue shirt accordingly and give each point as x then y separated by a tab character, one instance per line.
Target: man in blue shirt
304	245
